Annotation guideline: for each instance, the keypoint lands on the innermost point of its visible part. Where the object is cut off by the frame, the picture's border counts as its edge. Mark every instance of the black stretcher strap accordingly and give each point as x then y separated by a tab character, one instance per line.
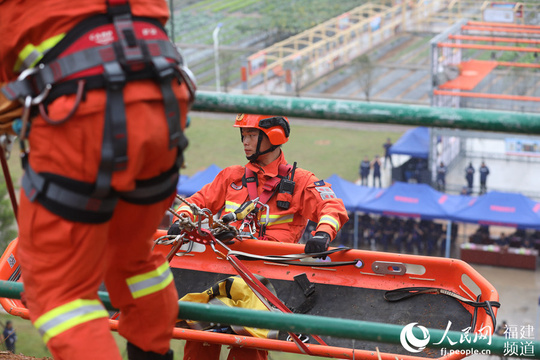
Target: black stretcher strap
408	292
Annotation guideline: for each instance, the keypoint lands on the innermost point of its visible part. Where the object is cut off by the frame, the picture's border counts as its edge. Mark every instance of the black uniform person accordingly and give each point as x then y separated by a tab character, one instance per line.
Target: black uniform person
387	155
484	172
365	166
10	337
376	163
441	177
469	173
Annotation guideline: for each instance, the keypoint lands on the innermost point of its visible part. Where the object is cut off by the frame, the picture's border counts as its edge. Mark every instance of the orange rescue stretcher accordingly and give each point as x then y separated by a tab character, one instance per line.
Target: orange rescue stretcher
353	284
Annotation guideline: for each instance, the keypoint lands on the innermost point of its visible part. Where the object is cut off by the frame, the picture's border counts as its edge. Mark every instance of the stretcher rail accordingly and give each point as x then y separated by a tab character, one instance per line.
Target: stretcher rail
310	324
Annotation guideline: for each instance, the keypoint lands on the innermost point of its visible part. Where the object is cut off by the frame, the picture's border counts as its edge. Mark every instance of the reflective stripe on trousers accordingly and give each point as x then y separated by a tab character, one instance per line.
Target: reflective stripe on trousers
67	316
150	282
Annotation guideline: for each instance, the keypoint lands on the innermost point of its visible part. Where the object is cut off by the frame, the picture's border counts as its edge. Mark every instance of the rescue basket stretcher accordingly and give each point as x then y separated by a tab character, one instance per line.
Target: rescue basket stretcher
351	284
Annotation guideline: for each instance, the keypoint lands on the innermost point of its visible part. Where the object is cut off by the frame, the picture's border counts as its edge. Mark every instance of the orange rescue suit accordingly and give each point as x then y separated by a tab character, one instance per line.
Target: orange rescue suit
64	262
312	199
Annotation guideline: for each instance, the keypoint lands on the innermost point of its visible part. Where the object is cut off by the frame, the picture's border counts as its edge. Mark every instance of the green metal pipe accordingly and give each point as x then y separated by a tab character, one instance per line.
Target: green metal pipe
370	112
309	324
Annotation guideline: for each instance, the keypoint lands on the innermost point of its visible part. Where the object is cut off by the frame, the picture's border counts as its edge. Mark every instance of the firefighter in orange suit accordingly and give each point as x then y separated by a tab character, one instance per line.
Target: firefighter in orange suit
289	206
107	97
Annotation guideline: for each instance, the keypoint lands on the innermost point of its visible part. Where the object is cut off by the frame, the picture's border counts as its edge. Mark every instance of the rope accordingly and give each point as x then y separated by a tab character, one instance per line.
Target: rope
407	292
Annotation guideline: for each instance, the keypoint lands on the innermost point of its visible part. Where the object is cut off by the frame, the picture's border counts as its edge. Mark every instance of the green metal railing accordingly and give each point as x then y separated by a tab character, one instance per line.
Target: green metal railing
370	112
310	324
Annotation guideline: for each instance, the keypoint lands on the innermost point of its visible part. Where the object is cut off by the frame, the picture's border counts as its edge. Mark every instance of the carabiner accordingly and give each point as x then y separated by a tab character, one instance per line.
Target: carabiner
25	117
32	71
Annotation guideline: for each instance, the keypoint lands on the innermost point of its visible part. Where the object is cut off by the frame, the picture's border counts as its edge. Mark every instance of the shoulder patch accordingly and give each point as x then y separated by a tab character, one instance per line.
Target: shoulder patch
325	192
319	183
236	187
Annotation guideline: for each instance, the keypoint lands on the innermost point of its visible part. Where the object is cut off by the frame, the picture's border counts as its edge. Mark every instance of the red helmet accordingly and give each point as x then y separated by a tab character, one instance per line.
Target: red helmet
275	127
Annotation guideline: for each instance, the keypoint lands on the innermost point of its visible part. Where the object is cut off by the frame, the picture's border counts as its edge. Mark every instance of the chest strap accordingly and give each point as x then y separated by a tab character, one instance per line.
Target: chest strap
269	189
138	49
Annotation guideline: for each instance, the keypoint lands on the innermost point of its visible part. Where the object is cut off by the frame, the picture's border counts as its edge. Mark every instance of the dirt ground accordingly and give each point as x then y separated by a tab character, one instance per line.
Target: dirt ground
10	356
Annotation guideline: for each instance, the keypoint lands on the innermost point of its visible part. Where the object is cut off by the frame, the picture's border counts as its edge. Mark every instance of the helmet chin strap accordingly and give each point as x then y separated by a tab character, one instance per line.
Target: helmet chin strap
253	157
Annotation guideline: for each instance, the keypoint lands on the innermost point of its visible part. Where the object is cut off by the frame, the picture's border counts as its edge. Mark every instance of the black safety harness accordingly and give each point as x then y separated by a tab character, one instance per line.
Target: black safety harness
282	183
138	49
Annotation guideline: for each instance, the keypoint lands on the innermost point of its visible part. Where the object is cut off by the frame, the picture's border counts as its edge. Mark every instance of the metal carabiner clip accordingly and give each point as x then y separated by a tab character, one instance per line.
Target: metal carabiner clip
25	117
43	95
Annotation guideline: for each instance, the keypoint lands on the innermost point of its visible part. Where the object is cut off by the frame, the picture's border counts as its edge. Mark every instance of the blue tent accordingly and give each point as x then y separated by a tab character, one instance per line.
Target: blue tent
503	209
350	193
452	203
182	179
408	200
415	143
197	181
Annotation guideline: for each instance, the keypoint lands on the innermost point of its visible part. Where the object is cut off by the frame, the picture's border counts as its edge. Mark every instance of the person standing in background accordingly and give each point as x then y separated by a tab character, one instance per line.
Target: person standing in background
365	167
10	337
441	177
484	172
469	173
376	164
387	156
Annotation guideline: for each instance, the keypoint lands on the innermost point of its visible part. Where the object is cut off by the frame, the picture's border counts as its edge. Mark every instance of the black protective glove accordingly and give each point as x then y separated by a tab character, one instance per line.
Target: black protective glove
226	236
318	243
174	229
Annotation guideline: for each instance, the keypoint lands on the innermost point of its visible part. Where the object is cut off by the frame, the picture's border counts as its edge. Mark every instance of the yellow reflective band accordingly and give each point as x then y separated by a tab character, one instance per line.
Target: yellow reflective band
231	206
67	316
150	282
327	219
30	55
184	207
278	219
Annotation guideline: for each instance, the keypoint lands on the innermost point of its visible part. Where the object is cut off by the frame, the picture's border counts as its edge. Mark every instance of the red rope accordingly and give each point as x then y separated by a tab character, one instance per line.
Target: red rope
9	183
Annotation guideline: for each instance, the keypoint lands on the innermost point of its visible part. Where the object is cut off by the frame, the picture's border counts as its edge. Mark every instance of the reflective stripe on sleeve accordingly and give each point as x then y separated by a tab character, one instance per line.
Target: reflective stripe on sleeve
277	219
327	219
231	206
184	207
67	316
150	282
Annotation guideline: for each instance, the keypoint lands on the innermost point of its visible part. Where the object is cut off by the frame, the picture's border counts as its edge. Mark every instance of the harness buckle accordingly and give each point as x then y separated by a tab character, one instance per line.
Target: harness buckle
114	75
163	68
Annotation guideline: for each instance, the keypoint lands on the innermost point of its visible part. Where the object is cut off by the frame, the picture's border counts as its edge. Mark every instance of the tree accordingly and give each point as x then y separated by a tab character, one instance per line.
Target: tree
302	74
228	65
365	72
7	218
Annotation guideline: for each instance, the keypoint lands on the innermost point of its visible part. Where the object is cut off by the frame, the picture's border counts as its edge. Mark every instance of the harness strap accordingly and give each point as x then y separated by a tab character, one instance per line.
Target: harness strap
269	186
76	200
114	145
67	203
269	189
